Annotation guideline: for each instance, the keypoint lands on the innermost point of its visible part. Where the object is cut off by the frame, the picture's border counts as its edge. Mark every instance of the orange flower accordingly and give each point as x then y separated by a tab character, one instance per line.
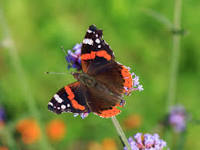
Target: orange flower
3	148
132	122
109	144
29	130
56	130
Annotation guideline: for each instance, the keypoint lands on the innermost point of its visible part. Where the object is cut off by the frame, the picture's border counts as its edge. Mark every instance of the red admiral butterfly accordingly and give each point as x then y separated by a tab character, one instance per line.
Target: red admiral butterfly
100	86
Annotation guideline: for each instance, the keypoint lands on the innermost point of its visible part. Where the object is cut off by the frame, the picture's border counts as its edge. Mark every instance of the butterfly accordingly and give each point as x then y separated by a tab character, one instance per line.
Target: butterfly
101	84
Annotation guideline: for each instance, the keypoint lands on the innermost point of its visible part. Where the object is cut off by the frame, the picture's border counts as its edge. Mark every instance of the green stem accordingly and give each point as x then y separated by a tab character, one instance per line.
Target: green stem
120	132
181	140
175	54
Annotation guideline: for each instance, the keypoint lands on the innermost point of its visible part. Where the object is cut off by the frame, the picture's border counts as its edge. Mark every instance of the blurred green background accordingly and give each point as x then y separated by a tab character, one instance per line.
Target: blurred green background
32	32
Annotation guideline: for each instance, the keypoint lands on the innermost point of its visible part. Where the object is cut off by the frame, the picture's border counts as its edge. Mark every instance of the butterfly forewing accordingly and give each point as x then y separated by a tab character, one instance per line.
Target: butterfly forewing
69	99
95	50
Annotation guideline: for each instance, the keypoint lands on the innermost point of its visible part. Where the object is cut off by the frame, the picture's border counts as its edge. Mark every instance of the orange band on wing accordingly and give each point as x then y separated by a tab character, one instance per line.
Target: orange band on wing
71	96
109	113
93	54
128	82
104	54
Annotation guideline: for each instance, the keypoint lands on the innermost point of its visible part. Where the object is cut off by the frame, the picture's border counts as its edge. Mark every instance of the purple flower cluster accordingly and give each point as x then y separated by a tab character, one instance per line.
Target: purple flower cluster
74	57
146	142
177	118
83	115
136	83
2	116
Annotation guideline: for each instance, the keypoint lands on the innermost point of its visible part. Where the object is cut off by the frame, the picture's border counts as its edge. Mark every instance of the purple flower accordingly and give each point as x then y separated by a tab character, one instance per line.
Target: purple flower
82	115
146	142
74	57
2	116
177	118
136	83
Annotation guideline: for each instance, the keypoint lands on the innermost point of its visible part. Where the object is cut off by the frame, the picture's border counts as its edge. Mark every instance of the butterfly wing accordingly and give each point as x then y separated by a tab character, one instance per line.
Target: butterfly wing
69	99
95	50
102	104
115	77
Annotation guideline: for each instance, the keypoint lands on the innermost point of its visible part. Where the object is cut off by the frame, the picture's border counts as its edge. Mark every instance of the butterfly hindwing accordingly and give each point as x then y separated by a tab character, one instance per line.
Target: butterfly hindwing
69	99
102	103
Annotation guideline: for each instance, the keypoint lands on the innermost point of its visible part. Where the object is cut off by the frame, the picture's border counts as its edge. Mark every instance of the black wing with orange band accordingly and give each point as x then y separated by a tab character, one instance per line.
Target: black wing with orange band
95	50
70	98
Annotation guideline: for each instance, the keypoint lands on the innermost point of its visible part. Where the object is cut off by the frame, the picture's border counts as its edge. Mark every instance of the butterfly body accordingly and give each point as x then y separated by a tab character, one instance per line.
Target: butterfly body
85	79
101	84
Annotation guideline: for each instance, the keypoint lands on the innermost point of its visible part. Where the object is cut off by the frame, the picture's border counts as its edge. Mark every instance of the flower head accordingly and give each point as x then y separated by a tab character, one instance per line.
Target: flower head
136	83
82	115
177	118
2	116
146	142
56	130
29	130
74	57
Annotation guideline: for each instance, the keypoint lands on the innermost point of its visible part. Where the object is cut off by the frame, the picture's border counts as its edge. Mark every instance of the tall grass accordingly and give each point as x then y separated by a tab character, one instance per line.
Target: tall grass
9	43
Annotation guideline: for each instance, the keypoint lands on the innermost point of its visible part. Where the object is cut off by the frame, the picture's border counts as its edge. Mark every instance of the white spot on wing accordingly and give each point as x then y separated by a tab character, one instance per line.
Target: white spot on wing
50	103
99	46
88	41
68	105
97	41
63	106
58	99
96	35
89	31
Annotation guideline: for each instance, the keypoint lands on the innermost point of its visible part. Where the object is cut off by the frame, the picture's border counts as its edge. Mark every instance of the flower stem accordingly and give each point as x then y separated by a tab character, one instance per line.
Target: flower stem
175	54
120	132
181	140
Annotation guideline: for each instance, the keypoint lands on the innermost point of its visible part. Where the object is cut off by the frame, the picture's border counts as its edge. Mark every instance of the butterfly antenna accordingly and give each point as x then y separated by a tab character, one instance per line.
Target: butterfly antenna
58	73
63	49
